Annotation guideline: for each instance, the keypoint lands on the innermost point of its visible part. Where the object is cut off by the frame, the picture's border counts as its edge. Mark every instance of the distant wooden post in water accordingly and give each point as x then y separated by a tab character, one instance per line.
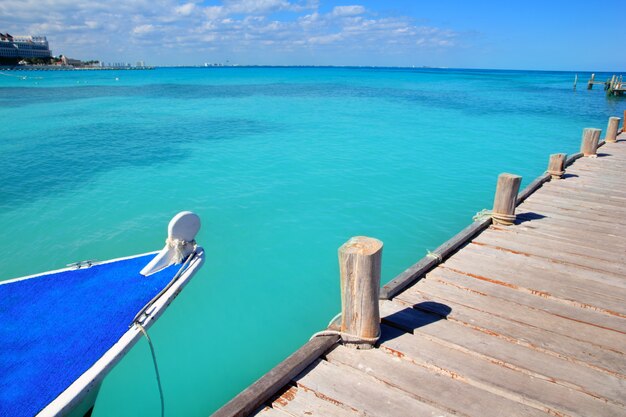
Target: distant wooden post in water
590	83
589	144
611	129
556	165
360	261
506	199
575	81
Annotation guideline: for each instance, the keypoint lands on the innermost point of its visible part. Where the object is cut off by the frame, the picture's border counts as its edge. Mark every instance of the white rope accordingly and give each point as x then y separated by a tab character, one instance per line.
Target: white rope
434	255
333	319
555	173
482	215
156	367
347	337
142	314
179	247
507	219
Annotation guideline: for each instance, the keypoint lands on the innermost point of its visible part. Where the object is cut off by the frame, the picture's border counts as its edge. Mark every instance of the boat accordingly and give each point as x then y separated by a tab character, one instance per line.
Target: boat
62	331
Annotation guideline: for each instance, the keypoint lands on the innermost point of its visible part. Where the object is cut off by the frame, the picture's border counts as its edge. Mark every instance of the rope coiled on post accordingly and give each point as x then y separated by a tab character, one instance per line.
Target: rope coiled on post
501	218
557	174
346	337
506	219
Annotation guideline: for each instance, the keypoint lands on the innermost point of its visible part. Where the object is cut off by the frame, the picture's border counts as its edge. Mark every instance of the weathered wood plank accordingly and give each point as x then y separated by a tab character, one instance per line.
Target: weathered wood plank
607	157
606	162
609	203
604	170
495	378
542	214
512	294
440	390
582	213
437	286
593	258
535	338
271	412
613	283
298	401
259	392
571	227
617	196
576	291
563	197
564	242
558	230
354	389
521	358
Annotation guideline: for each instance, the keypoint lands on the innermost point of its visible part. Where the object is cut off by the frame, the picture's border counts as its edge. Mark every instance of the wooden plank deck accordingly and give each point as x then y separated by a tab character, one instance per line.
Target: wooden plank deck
524	320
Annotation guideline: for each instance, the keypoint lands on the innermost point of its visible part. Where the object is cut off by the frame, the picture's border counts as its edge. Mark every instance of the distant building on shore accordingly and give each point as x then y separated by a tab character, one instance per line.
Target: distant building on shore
69	61
15	48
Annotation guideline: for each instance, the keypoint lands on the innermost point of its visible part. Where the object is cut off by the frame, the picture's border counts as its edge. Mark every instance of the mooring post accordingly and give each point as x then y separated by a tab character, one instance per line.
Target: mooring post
624	123
590	83
506	197
360	260
589	144
556	165
611	129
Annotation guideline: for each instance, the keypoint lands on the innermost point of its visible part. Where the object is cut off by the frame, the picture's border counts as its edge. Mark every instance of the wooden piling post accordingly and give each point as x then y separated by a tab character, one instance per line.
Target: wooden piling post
611	129
589	144
506	198
590	83
556	165
360	261
624	123
575	81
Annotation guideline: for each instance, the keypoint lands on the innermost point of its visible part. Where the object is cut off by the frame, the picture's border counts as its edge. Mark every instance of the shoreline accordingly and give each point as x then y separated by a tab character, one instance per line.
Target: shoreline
69	68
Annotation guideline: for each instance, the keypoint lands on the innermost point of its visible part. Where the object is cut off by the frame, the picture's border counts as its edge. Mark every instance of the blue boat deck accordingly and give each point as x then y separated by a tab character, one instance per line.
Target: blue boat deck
54	327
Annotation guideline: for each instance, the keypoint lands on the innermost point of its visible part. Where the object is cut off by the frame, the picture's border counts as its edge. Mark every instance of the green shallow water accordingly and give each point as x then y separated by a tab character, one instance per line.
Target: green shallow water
283	165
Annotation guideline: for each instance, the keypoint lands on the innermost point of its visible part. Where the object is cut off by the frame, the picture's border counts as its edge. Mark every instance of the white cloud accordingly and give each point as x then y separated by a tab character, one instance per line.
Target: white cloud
325	39
185	9
143	29
215	12
348	10
266	28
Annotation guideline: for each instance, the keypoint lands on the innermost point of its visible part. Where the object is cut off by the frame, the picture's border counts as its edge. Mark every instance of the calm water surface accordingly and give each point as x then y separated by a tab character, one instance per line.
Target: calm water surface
283	165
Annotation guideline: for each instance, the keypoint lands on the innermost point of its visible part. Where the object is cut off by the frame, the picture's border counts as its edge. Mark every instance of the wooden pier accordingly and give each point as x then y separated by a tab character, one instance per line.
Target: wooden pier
614	86
526	319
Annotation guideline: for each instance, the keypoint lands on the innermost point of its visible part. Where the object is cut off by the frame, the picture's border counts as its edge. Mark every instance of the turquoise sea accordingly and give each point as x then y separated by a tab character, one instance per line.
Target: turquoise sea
283	165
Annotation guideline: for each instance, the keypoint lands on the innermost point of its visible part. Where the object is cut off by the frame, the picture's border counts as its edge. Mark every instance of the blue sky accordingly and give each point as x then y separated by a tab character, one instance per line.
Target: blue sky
529	34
